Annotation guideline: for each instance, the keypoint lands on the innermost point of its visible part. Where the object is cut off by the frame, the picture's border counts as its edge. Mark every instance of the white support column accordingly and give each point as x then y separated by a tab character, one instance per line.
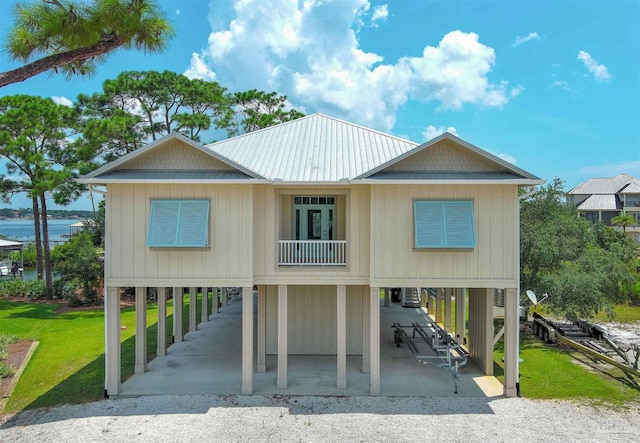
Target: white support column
193	304
386	298
112	340
247	340
215	302
224	297
511	330
341	332
365	333
162	322
488	331
205	305
461	301
141	330
439	294
374	340
262	329
178	306
448	292
282	337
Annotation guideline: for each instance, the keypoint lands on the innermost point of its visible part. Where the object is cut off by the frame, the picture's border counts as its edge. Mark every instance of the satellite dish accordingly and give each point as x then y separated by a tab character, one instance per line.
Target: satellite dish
534	300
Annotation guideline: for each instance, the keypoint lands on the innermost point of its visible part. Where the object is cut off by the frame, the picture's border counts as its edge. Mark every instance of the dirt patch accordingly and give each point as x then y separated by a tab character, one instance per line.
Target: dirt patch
18	351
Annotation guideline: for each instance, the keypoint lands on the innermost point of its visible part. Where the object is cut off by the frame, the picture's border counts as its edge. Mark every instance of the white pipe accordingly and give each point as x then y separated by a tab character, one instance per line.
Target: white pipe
92	188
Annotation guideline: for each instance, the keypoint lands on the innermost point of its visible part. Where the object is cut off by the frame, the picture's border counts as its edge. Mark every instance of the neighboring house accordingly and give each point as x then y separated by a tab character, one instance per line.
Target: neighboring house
319	214
601	199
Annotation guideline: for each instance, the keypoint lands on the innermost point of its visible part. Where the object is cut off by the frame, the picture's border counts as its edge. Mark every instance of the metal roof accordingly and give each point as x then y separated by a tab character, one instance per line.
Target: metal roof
10	245
612	185
632	188
316	148
444	175
178	174
601	203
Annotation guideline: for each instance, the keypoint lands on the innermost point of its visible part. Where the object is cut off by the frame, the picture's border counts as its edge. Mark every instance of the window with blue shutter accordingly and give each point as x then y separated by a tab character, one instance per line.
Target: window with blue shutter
178	224
444	224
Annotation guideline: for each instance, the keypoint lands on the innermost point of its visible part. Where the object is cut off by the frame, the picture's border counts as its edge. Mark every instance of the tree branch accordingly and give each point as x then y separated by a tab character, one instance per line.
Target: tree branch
106	44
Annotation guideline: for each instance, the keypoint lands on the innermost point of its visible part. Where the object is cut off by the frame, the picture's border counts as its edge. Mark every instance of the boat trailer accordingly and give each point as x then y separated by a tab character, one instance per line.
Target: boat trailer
449	354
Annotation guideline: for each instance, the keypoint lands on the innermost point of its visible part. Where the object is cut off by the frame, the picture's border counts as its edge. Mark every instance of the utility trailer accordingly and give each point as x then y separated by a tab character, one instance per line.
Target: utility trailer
447	351
590	340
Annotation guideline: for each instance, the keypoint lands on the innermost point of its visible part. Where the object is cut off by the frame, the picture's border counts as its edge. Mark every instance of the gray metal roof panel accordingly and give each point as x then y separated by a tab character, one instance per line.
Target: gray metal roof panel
445	175
601	203
315	148
632	188
611	185
154	174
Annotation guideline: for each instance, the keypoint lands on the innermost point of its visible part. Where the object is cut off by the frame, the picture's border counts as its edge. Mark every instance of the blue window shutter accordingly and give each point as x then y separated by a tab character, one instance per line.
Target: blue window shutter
459	224
429	224
178	223
194	223
444	224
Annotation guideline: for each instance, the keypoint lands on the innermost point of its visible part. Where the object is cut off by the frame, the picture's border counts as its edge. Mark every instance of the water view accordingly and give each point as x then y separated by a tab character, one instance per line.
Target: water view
23	231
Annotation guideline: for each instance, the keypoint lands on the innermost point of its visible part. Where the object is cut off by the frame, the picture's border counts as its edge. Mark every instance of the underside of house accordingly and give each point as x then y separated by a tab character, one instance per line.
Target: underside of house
314	221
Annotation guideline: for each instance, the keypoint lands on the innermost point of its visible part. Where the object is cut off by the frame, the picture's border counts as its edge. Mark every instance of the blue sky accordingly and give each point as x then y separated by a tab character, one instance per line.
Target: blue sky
552	86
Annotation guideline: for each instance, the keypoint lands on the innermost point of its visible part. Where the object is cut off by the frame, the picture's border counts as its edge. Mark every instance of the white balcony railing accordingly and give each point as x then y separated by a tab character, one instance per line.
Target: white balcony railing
313	252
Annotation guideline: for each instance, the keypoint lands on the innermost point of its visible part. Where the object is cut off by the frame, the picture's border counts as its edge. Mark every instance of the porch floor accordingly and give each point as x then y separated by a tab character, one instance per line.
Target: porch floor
209	361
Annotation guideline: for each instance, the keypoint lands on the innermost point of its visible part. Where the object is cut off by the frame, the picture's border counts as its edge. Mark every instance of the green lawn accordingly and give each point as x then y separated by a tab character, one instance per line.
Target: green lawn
549	371
68	365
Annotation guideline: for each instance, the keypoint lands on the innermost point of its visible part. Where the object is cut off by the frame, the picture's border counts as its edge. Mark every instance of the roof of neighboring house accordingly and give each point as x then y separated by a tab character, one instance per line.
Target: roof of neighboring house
632	188
318	149
9	245
612	185
601	203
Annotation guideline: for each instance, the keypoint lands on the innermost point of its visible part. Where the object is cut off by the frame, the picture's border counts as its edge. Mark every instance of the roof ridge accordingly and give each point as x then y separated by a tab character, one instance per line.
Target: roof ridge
316	114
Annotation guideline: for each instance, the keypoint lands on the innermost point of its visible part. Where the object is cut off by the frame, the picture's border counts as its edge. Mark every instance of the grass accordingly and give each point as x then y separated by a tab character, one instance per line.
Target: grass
624	314
552	372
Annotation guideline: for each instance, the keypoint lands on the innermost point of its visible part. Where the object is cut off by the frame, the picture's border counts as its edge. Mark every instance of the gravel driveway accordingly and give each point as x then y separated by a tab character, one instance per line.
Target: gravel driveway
317	419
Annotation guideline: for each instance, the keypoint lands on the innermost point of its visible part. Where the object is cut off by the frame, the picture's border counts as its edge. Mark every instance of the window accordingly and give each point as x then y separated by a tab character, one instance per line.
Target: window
444	224
178	224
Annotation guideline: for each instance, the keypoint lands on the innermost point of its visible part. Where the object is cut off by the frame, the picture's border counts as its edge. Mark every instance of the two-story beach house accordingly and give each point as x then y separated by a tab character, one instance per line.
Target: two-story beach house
319	215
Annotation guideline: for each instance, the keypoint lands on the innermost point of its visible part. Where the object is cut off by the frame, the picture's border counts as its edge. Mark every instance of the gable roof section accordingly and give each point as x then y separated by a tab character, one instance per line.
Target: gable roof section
477	164
631	188
601	203
312	149
127	167
610	185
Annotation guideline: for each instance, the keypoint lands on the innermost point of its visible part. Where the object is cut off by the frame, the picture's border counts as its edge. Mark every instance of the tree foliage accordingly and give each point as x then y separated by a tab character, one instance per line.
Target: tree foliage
252	110
139	106
584	267
74	36
33	140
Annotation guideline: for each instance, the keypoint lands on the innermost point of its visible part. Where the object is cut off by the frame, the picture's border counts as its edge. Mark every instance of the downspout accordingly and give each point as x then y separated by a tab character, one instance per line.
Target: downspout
520	198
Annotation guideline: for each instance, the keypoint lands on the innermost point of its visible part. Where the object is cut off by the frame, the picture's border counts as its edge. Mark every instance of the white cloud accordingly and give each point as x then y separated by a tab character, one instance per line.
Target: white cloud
177	12
380	13
433	132
599	71
561	84
520	40
311	52
199	69
61	100
506	157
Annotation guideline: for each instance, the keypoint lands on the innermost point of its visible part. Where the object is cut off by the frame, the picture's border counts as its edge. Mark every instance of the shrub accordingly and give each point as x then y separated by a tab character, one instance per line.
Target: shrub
5	341
79	265
36	290
13	288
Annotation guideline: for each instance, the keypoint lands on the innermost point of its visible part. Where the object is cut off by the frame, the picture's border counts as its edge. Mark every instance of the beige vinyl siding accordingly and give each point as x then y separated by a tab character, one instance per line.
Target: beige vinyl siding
176	154
445	155
312	319
273	221
394	260
228	259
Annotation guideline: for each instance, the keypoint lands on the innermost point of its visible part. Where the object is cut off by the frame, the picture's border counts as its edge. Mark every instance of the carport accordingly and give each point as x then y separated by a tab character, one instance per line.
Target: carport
209	361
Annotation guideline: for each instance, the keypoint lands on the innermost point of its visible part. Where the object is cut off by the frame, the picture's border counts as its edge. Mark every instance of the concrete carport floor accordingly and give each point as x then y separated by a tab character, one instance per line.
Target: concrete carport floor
209	361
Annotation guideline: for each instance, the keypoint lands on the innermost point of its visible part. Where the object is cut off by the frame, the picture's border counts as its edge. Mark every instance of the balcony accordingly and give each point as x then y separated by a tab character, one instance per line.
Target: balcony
312	253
